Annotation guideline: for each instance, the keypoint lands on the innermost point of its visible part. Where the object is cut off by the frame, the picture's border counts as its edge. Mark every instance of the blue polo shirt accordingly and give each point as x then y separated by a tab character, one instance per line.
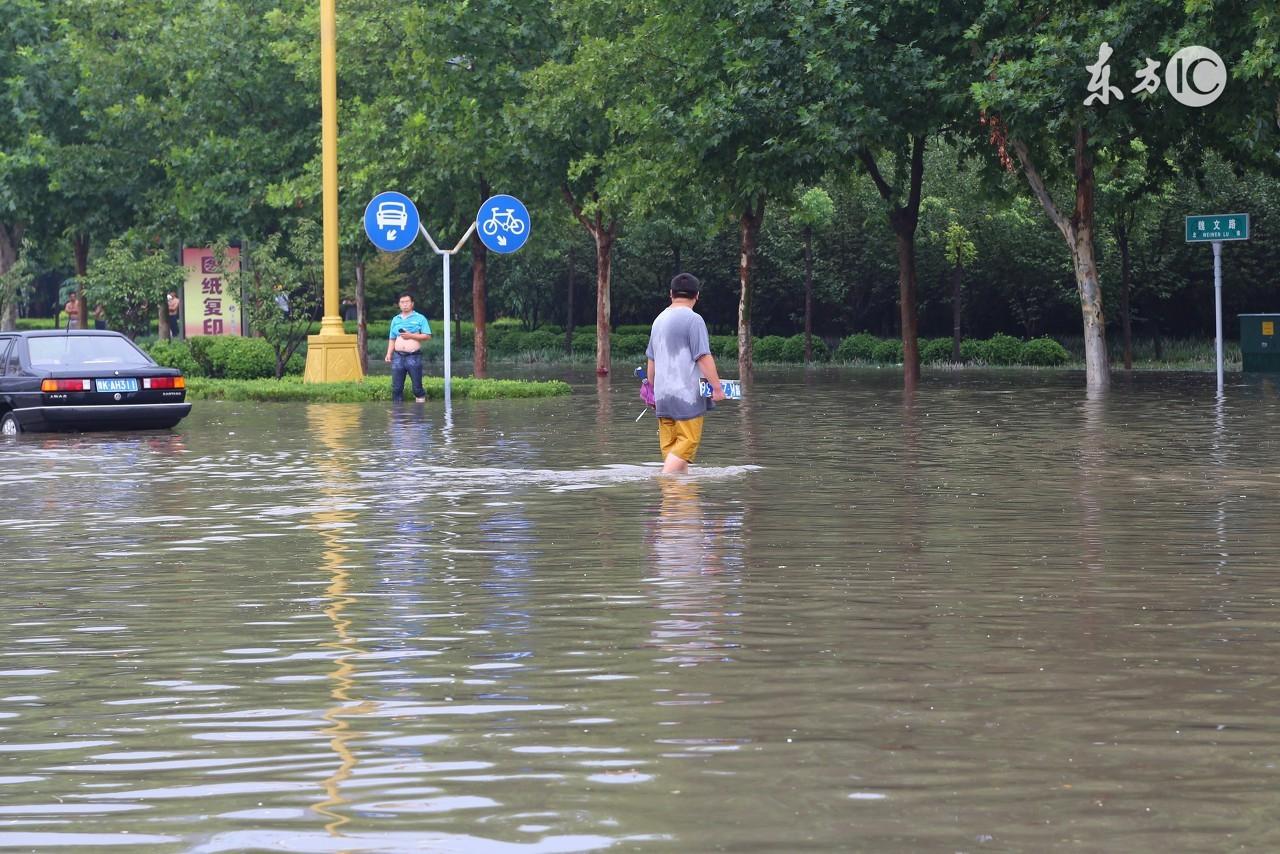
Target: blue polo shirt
415	323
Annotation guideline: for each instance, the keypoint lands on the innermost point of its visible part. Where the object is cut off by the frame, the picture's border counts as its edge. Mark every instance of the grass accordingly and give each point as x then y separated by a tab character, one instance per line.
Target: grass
370	389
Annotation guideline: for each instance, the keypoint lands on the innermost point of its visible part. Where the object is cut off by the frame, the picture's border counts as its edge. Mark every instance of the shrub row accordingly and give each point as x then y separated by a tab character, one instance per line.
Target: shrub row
292	388
999	349
222	357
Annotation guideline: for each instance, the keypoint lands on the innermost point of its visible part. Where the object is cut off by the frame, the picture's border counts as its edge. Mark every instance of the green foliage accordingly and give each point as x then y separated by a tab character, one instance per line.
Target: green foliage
888	352
793	349
367	390
130	285
540	339
629	344
1001	349
232	357
175	354
1045	352
770	348
281	288
633	329
815	208
724	347
859	347
971	350
935	351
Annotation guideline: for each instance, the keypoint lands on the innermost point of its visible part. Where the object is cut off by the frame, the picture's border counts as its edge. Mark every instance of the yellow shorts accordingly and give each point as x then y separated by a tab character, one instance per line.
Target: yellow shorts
680	437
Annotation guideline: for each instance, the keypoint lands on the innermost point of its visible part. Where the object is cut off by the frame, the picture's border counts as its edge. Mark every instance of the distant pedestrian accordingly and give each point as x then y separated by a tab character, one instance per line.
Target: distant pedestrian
175	306
73	313
99	316
404	349
680	357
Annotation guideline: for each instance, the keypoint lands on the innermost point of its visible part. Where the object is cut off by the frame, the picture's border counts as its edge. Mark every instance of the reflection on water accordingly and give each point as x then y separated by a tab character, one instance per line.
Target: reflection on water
996	612
696	567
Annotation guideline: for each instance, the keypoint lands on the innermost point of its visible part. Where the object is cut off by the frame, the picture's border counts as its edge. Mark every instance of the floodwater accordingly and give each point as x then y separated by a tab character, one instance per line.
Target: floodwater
999	615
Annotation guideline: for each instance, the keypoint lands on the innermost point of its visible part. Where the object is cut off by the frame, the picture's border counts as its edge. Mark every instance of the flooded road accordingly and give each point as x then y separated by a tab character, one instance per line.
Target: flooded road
999	615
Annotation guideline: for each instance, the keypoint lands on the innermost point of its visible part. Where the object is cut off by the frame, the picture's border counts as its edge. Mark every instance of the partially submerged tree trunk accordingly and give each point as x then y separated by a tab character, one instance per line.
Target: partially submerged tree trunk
362	325
568	315
1124	222
904	219
957	308
479	272
808	295
604	236
1077	230
10	245
749	231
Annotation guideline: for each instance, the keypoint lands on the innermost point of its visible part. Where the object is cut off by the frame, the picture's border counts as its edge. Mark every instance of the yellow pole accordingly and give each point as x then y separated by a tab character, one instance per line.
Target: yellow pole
331	355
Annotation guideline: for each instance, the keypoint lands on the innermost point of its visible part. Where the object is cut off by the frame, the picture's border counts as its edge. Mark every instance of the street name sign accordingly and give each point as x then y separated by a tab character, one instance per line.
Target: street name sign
1206	228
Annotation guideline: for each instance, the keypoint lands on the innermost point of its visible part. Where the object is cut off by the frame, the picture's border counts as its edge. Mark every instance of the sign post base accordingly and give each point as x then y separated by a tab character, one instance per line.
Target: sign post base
332	356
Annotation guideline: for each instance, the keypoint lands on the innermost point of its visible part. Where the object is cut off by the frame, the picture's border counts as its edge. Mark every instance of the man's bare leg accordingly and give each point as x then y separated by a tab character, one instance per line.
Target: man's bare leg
675	465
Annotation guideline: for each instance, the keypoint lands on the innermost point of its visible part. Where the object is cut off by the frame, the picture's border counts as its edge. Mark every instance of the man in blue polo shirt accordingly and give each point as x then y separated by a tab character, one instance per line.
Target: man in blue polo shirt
404	345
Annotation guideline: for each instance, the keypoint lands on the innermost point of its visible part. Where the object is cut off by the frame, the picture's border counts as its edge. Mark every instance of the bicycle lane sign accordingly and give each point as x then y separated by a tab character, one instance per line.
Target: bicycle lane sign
391	221
503	223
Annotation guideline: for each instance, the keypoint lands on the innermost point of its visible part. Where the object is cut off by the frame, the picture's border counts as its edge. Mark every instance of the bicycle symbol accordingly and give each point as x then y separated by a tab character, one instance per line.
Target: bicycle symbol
507	221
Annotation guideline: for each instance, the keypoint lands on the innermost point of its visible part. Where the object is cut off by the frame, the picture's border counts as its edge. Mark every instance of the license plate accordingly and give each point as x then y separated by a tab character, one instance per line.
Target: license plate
123	384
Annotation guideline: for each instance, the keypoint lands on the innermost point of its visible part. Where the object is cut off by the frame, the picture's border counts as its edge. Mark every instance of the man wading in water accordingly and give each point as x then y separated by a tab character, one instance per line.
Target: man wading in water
679	357
408	330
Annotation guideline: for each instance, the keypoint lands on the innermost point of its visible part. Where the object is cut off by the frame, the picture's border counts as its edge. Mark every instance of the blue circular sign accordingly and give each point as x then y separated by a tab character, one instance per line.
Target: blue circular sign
503	224
391	221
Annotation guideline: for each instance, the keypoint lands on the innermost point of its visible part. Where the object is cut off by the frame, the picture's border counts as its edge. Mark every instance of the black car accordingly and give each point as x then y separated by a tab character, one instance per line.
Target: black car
84	380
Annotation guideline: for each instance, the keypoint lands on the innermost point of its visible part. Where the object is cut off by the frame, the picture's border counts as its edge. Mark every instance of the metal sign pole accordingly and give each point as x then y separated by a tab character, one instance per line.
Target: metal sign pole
447	254
1217	303
448	369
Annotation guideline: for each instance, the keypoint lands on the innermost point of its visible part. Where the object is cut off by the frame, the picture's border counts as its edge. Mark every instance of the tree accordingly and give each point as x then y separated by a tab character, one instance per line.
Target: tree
815	209
725	100
1048	117
15	286
29	44
280	288
128	282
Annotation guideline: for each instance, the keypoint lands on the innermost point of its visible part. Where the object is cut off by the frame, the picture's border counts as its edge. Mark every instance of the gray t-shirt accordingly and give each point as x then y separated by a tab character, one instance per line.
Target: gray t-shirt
676	342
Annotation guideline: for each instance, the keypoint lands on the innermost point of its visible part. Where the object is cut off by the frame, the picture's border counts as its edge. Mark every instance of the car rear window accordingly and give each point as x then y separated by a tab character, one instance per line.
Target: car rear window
84	351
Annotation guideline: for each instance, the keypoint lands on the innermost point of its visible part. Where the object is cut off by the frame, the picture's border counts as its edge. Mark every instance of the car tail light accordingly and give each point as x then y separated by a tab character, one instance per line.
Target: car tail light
163	382
65	385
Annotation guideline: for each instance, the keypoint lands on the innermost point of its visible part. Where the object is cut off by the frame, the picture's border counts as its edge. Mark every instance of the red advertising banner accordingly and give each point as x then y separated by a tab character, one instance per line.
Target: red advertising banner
207	306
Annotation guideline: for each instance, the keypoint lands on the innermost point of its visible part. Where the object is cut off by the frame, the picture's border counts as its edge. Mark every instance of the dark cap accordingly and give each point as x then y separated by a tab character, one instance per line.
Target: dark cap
685	283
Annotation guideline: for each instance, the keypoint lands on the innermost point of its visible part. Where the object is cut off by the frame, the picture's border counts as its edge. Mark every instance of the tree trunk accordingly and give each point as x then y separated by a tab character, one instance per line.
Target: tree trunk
568	315
1097	372
906	241
604	237
362	326
479	271
10	245
749	231
604	275
80	247
1078	233
904	219
1122	240
957	279
808	295
675	260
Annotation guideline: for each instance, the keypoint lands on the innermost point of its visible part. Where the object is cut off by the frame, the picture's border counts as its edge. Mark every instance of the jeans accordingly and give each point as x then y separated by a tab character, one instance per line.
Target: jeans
406	363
